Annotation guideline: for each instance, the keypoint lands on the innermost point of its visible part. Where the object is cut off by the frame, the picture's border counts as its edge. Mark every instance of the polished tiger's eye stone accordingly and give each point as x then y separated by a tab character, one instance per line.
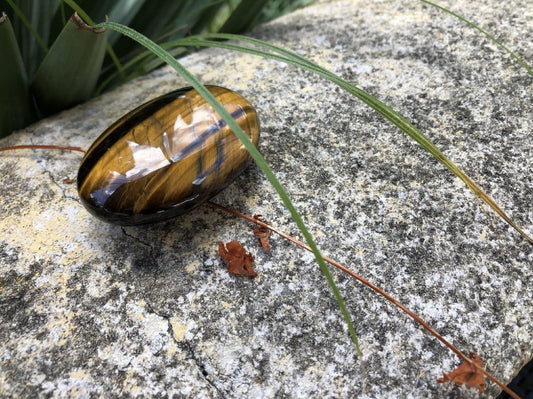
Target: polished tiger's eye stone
165	157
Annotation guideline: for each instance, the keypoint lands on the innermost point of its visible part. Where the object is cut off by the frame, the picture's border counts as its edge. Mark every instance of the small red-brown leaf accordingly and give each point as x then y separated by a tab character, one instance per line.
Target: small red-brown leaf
68	180
262	234
467	374
236	258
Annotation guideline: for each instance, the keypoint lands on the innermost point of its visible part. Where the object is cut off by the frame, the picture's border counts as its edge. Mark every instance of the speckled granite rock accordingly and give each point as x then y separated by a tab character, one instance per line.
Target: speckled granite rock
89	309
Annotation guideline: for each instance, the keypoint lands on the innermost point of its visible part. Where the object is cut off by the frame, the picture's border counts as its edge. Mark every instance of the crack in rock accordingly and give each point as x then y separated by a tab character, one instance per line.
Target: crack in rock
142	242
61	186
151	250
186	346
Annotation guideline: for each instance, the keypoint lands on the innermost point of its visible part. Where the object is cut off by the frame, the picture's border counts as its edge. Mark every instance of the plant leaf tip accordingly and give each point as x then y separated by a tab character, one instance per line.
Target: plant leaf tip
80	23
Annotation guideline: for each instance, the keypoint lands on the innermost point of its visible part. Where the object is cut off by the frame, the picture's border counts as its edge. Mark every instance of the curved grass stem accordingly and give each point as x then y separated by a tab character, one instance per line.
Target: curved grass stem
332	262
376	289
42	147
254	153
279	54
484	32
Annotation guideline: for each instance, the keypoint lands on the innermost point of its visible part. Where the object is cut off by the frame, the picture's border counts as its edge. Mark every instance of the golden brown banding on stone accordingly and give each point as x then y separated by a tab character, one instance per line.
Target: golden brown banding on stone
165	157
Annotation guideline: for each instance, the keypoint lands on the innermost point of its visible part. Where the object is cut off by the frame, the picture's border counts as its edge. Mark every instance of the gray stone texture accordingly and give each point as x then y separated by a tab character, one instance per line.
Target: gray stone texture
90	309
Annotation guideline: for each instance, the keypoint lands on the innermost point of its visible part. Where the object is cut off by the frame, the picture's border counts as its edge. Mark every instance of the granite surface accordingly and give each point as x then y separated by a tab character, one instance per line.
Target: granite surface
96	310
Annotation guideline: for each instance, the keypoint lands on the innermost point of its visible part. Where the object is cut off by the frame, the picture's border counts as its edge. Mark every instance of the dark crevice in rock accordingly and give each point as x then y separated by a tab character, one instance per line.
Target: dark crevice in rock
142	242
186	346
150	264
61	186
201	367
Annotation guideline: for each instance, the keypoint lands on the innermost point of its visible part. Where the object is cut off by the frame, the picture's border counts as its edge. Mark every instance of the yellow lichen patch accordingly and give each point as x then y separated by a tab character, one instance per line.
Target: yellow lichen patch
171	350
81	374
359	251
178	329
98	284
44	237
193	266
136	312
251	201
131	381
75	255
60	327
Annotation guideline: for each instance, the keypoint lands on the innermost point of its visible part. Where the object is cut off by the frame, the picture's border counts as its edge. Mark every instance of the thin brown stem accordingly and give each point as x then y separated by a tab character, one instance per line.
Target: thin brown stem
42	147
364	281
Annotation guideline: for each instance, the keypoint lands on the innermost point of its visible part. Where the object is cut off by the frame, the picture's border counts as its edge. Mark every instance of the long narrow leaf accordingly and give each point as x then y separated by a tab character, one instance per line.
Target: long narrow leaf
70	70
492	38
157	19
31	23
167	20
28	25
138	64
89	20
123	11
391	115
251	149
16	109
213	17
244	17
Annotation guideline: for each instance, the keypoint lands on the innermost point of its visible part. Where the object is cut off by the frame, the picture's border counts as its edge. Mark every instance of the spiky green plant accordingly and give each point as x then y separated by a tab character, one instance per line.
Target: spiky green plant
265	50
54	59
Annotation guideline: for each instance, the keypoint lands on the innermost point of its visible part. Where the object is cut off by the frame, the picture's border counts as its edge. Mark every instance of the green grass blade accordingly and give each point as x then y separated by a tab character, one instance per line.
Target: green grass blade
189	16
123	11
81	12
244	17
151	64
391	115
488	35
62	13
16	109
70	70
31	23
139	64
103	85
214	16
164	20
251	149
93	7
277	8
28	25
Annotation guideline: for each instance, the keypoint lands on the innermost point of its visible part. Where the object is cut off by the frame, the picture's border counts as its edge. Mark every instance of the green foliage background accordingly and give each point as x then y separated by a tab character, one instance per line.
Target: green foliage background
51	64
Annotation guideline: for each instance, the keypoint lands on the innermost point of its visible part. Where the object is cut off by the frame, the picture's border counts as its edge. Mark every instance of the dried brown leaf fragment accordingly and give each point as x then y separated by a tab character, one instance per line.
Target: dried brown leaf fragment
262	233
237	259
467	374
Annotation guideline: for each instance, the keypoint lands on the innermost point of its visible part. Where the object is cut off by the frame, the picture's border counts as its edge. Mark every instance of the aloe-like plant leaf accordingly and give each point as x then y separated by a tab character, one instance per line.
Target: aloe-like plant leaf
213	17
70	70
164	13
16	109
123	11
244	17
31	23
275	9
